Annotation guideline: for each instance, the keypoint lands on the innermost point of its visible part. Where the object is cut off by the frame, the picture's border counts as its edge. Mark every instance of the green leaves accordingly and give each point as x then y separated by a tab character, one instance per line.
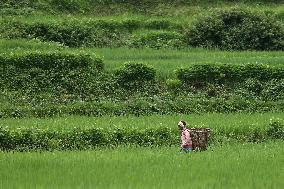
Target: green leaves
237	29
224	73
24	139
276	130
47	139
50	60
135	75
97	33
49	71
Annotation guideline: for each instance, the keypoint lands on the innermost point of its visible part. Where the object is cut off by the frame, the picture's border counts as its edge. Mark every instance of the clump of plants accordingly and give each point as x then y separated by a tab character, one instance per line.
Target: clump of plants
237	29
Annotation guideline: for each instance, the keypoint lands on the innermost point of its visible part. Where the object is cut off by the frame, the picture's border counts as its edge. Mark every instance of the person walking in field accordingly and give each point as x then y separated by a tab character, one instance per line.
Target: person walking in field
186	142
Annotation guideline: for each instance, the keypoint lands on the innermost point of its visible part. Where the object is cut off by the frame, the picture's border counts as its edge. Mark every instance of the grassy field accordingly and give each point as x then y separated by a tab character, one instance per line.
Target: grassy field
242	121
231	166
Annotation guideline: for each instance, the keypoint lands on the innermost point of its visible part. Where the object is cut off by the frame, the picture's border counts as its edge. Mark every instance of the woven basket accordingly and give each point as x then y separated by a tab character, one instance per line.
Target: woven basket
200	138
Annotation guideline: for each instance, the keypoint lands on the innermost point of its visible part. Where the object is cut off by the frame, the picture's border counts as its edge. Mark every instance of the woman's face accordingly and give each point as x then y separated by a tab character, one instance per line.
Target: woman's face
180	125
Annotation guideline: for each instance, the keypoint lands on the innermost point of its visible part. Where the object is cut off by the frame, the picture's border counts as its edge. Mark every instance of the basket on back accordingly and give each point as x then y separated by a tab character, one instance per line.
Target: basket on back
200	138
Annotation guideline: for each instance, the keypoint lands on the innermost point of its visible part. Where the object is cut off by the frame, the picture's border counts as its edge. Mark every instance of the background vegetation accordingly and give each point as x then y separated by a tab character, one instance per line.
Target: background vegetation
95	58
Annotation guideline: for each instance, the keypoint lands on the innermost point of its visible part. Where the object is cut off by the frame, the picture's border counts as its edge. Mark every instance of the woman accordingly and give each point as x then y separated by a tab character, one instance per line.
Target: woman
186	142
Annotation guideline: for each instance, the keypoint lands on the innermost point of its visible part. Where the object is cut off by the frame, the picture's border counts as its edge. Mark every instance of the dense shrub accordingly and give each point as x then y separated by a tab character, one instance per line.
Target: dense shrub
135	75
276	130
173	85
200	74
66	5
273	89
25	139
72	33
253	85
53	72
237	29
50	60
19	11
71	36
17	3
92	33
12	30
139	106
37	139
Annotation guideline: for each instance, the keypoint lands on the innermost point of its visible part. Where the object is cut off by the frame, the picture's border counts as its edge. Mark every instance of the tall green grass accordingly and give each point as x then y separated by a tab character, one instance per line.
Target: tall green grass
21	45
241	121
230	166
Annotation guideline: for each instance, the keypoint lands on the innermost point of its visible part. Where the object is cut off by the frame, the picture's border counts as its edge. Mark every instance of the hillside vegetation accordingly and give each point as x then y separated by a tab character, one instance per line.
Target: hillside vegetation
140	57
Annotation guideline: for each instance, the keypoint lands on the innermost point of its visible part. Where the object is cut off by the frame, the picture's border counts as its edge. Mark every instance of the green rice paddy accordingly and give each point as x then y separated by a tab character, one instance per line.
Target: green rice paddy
230	166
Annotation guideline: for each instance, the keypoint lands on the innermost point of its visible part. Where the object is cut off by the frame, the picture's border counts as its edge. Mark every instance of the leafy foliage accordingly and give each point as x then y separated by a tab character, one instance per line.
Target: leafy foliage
48	139
237	29
50	60
24	139
52	72
61	105
135	75
224	73
59	83
93	33
276	130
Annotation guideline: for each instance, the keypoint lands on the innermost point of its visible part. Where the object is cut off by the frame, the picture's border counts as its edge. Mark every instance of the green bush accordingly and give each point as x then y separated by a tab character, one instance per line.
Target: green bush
173	85
94	33
66	5
253	85
276	130
19	11
17	3
25	139
46	139
237	29
135	75
50	60
273	90
139	106
53	72
200	74
72	33
12	29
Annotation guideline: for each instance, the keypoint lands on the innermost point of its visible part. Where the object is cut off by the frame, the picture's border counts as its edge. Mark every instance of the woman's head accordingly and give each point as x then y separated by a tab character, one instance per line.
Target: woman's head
181	124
